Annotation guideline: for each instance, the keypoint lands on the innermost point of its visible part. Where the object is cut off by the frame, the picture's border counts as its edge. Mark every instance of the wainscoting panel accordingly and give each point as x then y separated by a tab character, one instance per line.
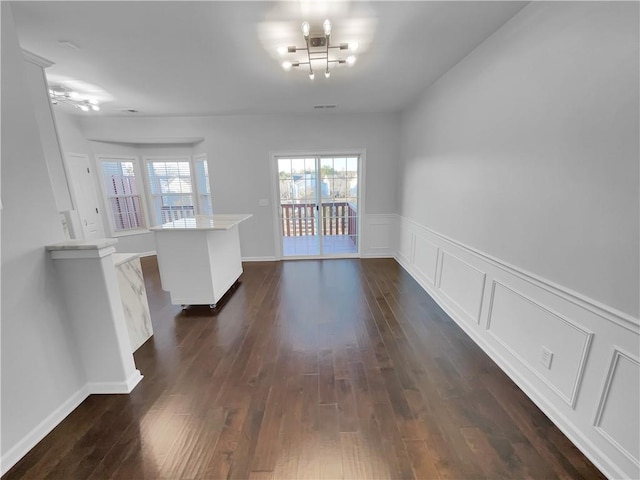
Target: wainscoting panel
614	420
590	393
405	245
425	258
462	284
525	328
379	234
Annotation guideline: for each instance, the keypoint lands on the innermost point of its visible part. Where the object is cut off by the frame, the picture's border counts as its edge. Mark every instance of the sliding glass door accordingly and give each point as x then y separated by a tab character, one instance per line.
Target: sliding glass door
318	210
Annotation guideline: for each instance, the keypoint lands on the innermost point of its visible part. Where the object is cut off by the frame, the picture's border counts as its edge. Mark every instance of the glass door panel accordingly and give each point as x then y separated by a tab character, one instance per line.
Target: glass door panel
298	219
339	205
318	205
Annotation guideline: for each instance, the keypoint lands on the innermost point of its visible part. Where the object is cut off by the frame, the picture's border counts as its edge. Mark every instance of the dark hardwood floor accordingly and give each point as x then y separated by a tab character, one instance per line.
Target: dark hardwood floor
312	369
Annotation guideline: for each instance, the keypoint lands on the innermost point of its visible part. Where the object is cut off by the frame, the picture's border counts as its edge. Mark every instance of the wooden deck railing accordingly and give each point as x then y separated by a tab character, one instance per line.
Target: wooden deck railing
299	219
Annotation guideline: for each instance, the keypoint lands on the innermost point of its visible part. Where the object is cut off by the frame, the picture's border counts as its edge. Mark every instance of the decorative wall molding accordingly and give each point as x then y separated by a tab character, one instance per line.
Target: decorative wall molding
630	451
378	235
580	359
30	440
605	311
425	257
580	331
464	291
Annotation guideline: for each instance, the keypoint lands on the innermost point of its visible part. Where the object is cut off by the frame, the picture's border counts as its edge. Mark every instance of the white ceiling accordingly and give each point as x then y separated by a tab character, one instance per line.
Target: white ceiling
216	58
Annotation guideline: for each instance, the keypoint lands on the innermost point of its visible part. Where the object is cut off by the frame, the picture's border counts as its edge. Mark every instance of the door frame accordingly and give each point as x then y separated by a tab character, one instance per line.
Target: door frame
275	195
75	197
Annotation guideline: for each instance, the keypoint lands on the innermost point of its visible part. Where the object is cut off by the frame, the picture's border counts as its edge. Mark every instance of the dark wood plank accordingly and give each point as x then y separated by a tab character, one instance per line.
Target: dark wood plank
313	369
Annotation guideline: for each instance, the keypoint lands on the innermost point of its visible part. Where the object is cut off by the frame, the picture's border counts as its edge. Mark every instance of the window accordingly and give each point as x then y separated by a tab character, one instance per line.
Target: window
123	194
202	184
170	189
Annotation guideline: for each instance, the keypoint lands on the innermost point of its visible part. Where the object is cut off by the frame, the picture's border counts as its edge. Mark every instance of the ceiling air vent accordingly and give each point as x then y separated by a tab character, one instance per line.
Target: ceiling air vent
320	107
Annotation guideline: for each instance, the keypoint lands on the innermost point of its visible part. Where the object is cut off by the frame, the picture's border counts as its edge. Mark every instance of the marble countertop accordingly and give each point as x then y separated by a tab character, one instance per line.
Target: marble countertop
202	222
120	258
94	244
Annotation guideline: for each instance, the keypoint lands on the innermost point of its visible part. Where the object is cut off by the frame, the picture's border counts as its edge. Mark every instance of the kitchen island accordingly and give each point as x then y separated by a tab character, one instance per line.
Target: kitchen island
199	258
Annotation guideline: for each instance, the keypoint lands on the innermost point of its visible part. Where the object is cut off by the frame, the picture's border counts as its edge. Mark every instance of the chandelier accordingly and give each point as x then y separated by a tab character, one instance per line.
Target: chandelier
60	94
318	49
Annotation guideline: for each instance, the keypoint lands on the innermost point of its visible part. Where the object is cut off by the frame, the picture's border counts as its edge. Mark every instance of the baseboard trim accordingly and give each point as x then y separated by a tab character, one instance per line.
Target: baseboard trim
259	259
101	388
30	440
378	255
586	446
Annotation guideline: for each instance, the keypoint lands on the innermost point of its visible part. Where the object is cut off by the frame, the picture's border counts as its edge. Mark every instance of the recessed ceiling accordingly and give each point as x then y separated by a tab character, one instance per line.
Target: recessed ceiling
219	58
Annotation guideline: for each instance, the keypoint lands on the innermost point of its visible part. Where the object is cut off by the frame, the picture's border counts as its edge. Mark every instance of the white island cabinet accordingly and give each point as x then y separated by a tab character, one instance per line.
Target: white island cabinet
199	258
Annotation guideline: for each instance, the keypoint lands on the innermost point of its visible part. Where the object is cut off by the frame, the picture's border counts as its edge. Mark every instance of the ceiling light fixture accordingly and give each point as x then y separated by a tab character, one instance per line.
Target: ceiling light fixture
317	48
59	94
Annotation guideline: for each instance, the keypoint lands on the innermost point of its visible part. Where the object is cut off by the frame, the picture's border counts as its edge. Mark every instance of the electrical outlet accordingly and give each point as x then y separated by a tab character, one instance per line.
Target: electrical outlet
546	356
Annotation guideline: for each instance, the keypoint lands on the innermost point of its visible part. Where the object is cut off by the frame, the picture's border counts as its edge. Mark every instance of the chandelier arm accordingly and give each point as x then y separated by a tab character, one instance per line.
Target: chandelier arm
326	72
306	39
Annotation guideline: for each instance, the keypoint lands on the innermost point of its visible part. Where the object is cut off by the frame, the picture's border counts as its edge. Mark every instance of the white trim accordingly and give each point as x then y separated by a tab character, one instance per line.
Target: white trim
72	188
32	438
37	60
146	159
596	320
604	311
131	233
604	396
202	157
99	388
361	153
259	259
578	438
570	400
474	318
137	168
82	253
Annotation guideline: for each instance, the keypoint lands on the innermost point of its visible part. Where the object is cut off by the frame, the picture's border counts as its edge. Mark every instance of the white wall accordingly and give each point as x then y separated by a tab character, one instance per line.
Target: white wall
40	371
238	150
519	212
39	90
528	149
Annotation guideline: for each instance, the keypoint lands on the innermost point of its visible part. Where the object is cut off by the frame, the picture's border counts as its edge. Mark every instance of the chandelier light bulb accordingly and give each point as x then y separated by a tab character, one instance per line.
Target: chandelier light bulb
327	74
84	108
286	66
351	59
74	95
95	108
305	29
282	50
353	46
327	27
312	75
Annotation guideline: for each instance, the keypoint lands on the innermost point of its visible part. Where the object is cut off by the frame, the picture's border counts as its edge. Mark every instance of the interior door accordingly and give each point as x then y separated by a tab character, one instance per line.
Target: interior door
83	193
318	205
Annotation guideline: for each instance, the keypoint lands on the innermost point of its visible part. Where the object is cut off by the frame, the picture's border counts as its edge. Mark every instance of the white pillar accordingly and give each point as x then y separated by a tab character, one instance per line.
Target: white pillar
87	273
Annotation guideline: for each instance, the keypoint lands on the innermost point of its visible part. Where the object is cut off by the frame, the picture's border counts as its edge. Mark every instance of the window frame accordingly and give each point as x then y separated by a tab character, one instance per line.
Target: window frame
202	157
169	158
140	179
